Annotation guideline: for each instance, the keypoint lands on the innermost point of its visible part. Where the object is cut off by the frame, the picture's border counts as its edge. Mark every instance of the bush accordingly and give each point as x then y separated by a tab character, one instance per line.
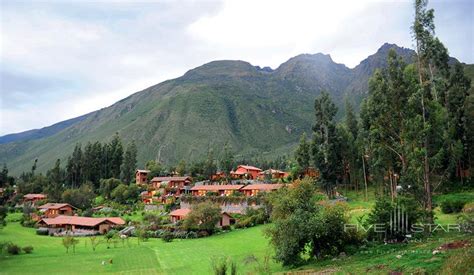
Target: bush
452	206
28	249
13	249
244	223
383	215
226	227
468	208
167	236
202	234
26	221
191	235
42	231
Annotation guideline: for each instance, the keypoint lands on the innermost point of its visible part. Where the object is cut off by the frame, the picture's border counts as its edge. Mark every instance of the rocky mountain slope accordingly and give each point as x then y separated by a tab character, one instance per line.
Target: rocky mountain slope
256	110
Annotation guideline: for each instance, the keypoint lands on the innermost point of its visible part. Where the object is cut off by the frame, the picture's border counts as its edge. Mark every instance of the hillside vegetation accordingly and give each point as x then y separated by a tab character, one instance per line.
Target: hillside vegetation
254	110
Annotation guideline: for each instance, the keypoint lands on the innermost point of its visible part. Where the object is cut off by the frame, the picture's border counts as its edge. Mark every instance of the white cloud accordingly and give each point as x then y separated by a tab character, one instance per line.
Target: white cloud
98	52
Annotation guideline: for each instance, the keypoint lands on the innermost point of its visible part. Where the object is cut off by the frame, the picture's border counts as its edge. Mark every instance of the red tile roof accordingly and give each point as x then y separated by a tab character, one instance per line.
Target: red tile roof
248	167
34	196
81	221
55	206
217	187
182	212
262	187
160	179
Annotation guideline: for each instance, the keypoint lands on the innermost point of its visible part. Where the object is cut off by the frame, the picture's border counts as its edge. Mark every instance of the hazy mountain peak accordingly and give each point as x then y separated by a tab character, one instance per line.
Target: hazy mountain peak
221	67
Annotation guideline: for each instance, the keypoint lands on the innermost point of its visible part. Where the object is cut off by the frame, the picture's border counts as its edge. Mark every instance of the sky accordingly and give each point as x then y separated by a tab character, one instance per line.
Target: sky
61	60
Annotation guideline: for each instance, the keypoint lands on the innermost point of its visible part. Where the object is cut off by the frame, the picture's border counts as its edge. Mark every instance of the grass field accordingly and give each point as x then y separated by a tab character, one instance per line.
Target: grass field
194	256
151	257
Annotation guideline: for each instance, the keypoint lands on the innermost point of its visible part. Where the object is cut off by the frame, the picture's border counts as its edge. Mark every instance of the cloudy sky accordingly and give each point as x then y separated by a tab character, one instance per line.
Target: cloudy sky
59	61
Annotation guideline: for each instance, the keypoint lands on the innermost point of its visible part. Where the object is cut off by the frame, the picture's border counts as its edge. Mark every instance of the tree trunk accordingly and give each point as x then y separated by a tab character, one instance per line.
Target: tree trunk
365	176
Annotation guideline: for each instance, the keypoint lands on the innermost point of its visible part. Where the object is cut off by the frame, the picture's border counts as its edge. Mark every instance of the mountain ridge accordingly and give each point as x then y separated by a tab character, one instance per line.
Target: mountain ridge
255	110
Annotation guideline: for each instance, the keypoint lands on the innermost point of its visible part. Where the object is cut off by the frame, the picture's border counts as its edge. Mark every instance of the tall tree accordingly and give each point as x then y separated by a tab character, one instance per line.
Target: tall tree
433	75
181	168
129	162
210	167
386	112
303	154
4	176
227	160
350	120
456	104
56	177
74	166
115	156
326	145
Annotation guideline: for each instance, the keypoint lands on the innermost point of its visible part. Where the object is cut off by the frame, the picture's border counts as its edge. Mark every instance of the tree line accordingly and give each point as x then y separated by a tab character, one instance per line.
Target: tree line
413	130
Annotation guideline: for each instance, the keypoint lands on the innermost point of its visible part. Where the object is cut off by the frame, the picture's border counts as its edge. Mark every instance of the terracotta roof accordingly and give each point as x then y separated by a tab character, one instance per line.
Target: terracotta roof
82	221
143	171
182	212
55	206
159	179
263	187
248	167
34	196
217	187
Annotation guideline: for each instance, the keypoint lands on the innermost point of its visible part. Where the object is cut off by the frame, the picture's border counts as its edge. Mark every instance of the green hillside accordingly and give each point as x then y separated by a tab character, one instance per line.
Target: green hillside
255	110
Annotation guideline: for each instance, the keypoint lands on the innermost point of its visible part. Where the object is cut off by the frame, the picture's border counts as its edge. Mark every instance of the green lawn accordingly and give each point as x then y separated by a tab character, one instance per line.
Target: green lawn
194	256
151	257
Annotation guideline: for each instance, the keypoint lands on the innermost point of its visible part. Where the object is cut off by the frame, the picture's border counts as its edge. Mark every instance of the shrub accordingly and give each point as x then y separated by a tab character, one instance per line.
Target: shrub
244	223
191	235
28	249
26	221
167	236
452	206
203	216
468	208
13	249
383	214
42	231
226	227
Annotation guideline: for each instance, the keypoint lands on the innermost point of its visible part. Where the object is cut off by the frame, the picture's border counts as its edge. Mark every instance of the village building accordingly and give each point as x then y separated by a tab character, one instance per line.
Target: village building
172	186
52	210
141	176
253	189
272	174
180	214
245	172
33	198
220	190
150	196
219	175
80	225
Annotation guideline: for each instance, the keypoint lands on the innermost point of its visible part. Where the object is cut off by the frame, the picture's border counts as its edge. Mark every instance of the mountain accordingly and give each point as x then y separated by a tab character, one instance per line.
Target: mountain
41	133
256	110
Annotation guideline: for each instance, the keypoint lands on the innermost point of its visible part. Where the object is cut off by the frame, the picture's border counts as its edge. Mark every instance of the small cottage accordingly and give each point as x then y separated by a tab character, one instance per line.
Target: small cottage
141	176
180	214
245	172
75	224
220	190
51	210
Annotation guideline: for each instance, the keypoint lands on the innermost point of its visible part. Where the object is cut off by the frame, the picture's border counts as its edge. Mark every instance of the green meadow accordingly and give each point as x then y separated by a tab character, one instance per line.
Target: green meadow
195	256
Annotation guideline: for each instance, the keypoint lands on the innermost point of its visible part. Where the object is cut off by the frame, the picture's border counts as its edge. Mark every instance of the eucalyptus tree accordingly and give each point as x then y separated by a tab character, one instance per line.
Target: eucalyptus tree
326	143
